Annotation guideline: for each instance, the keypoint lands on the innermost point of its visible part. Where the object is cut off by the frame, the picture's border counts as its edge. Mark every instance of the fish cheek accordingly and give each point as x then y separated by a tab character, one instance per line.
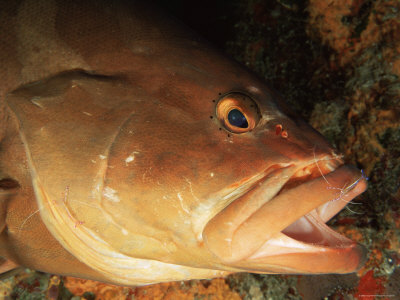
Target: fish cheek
150	176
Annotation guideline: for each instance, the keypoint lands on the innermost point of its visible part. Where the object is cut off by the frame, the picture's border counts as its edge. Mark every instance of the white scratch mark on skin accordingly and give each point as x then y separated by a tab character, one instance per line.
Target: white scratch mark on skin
102	156
64	202
181	202
93	161
124	231
212	174
35	100
228	240
86	113
111	194
145	174
268	117
131	157
191	189
23	223
84	203
253	89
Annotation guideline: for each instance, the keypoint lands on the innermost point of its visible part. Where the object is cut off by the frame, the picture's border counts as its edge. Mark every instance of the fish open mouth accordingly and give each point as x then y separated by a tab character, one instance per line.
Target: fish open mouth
288	233
311	228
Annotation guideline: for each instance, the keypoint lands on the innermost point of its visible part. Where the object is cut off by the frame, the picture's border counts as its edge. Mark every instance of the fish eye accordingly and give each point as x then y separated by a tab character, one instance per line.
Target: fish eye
237	112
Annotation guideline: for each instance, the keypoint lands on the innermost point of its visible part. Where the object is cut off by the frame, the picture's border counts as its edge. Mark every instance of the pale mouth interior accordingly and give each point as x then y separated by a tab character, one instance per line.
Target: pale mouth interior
311	229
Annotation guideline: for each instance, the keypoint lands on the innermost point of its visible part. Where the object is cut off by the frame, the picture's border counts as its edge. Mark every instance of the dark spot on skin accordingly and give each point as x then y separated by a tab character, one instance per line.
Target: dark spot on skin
213	101
220	94
229	135
220	128
8	184
211	117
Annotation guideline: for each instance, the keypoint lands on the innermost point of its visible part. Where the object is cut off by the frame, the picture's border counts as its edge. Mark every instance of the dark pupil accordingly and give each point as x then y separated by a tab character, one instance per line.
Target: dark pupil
236	118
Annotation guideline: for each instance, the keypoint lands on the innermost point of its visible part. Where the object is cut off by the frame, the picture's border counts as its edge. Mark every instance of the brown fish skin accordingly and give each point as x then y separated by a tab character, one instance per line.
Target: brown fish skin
114	125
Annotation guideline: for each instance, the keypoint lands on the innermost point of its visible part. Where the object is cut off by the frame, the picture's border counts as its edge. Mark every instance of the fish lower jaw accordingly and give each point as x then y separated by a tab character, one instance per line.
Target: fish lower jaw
307	234
308	246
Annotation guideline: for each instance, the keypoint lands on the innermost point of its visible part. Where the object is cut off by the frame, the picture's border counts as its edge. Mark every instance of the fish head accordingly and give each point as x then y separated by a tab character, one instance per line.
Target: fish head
252	194
236	180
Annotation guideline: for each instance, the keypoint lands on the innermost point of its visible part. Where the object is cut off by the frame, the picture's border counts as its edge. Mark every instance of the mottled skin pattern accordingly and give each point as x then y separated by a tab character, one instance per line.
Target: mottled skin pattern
115	167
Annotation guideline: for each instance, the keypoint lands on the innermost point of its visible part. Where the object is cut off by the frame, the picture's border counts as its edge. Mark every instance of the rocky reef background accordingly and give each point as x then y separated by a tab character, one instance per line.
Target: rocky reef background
338	65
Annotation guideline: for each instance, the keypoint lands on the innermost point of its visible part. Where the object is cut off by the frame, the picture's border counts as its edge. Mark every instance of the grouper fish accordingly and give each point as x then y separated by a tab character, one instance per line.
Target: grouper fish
132	152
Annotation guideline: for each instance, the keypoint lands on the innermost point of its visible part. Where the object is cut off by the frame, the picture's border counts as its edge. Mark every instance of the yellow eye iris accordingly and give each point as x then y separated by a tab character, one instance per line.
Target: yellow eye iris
237	112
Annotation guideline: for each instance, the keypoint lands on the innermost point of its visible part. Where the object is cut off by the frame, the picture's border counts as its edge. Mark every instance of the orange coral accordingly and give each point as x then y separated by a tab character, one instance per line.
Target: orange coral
102	291
347	38
213	289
